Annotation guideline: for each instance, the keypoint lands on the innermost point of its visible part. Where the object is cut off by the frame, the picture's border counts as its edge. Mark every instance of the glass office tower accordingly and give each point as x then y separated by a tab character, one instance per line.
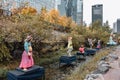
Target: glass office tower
97	13
73	9
118	26
38	4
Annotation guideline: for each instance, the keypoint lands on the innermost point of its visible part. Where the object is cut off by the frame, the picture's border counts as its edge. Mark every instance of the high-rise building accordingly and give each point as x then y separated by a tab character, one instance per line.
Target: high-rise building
73	9
79	16
116	26
38	4
62	7
97	13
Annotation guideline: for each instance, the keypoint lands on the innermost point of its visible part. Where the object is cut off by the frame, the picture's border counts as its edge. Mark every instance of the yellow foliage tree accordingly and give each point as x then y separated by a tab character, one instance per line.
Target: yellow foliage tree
54	16
73	24
65	21
62	21
24	10
69	22
28	10
43	14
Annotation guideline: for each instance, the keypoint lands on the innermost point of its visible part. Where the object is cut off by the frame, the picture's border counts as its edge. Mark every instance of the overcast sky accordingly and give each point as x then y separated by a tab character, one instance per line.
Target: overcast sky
111	10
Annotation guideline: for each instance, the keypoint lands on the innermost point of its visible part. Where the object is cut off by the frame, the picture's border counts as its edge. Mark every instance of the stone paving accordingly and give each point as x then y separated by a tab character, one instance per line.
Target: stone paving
114	71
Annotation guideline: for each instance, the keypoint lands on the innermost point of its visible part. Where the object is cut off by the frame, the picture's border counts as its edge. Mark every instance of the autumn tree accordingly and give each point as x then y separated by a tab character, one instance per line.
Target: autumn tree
63	21
24	9
28	10
43	14
54	16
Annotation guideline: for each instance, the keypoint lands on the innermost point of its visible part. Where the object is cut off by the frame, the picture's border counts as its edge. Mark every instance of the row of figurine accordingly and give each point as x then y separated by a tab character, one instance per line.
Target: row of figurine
91	43
82	48
27	59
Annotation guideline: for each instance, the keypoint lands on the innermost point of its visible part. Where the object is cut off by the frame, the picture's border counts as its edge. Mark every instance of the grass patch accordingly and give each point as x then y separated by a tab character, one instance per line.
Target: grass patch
88	67
3	72
49	58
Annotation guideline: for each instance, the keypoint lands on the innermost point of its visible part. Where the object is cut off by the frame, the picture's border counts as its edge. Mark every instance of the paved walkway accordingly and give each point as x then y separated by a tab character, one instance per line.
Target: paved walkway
114	72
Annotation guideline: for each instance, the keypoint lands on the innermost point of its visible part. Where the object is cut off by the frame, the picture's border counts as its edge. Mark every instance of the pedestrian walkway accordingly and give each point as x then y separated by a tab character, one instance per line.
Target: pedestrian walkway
114	72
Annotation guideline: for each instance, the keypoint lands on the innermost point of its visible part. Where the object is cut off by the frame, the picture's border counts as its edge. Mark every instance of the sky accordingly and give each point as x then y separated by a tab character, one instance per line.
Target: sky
111	11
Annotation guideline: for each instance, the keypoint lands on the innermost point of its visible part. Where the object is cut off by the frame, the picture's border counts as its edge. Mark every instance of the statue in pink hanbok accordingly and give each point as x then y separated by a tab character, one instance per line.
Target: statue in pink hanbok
27	59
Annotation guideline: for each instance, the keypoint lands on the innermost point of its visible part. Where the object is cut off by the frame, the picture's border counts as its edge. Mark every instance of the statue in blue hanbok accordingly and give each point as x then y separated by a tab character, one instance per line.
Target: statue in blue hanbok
111	41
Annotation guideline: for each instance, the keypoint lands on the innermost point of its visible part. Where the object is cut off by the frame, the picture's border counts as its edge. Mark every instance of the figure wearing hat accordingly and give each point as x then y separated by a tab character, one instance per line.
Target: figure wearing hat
27	59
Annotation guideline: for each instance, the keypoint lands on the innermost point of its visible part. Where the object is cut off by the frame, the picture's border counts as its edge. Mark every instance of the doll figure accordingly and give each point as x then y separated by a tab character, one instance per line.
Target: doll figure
27	59
70	46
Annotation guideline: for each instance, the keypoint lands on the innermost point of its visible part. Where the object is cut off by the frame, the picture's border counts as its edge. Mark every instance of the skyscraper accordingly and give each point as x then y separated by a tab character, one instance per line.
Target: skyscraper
97	13
79	16
116	26
61	7
38	4
73	9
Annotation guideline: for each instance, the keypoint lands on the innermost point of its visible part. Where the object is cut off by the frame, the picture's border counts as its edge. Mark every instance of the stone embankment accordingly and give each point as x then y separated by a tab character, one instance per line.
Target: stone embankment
108	67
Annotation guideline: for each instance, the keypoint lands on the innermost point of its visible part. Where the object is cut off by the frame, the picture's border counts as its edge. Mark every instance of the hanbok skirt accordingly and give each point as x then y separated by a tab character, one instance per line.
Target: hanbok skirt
26	61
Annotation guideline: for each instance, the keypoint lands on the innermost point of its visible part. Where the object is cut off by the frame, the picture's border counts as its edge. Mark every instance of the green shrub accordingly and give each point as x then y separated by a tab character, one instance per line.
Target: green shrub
3	73
4	52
